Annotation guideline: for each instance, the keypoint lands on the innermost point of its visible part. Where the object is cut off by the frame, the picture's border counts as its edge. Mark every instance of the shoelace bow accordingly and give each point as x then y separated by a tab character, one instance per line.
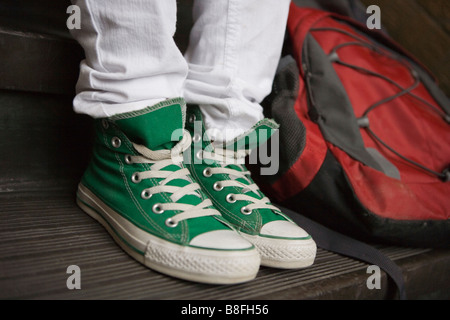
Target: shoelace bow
161	159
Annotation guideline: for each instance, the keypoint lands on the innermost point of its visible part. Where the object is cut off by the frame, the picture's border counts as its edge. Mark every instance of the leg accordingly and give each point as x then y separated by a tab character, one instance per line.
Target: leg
137	185
234	50
131	60
233	54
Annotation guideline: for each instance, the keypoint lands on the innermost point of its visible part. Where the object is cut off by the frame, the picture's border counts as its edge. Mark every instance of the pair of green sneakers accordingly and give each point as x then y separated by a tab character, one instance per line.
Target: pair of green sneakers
183	206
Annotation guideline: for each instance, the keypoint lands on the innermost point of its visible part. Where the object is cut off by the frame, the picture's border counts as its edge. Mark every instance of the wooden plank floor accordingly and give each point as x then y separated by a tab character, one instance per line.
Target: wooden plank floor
43	232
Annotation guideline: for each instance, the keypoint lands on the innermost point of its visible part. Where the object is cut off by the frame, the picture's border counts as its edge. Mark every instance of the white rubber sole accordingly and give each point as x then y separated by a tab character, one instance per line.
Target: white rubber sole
184	262
284	253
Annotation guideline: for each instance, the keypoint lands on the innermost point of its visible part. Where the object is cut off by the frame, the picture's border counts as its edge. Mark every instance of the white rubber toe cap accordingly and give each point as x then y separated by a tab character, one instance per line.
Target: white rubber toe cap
221	239
283	229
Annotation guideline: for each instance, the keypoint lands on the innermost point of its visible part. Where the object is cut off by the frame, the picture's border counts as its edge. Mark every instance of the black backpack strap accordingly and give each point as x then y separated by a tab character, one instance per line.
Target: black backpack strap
333	241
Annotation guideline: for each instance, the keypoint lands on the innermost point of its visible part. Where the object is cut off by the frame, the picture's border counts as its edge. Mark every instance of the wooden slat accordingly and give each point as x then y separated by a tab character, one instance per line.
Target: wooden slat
38	63
44	143
46	17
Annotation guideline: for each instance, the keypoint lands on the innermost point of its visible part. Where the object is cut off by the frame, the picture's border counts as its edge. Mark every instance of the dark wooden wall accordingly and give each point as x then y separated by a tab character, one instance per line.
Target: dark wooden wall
423	28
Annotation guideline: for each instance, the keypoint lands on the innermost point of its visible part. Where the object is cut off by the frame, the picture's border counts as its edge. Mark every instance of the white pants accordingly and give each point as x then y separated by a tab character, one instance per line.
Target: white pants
132	60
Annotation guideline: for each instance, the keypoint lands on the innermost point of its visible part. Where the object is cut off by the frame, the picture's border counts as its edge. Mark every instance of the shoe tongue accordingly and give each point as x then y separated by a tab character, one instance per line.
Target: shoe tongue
157	127
256	136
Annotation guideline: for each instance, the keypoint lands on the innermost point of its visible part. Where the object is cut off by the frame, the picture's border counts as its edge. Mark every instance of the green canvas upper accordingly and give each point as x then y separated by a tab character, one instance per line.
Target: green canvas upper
251	223
155	125
109	176
254	137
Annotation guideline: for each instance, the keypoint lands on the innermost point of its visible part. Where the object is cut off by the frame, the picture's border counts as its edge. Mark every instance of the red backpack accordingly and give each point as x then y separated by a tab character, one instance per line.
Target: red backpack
364	134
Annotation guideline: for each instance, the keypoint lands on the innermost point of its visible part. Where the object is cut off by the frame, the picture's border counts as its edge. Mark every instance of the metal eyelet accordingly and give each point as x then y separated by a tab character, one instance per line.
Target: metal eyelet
217	186
105	124
246	211
199	155
135	177
196	138
145	194
171	223
207	172
157	208
128	159
116	142
231	198
192	118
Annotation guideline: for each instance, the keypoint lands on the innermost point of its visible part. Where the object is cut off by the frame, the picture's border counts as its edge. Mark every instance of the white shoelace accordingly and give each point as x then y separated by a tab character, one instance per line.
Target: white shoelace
161	159
227	157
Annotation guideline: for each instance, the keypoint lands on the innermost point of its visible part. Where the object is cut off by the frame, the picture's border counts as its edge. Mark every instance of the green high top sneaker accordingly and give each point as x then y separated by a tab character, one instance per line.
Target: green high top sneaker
221	172
139	189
